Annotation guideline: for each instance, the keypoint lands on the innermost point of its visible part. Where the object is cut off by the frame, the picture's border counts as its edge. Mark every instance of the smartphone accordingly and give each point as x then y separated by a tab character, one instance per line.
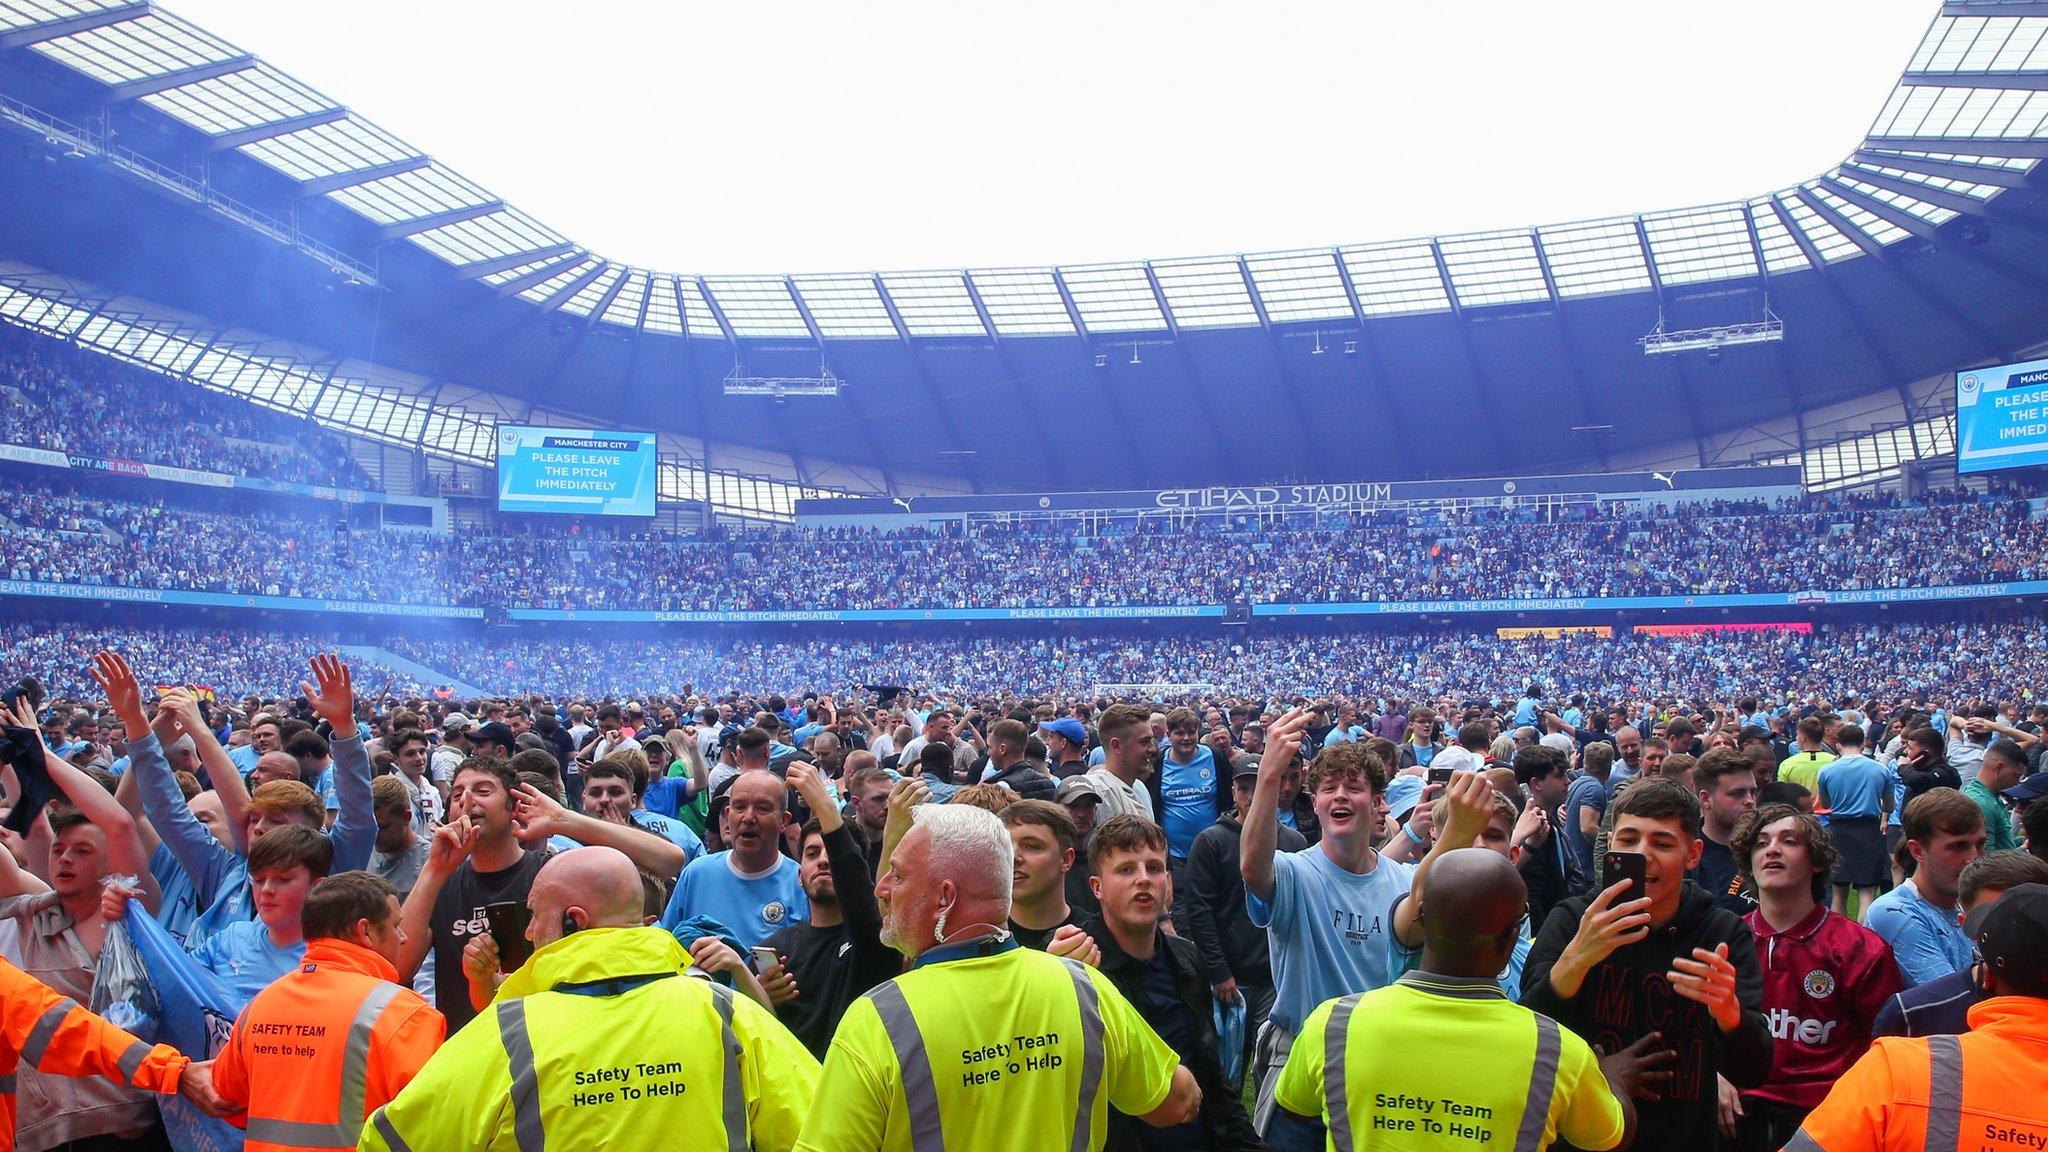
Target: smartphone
1439	776
764	958
1619	866
508	928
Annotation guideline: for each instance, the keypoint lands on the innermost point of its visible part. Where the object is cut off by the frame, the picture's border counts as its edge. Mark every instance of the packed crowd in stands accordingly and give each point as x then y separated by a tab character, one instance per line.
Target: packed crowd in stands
1869	658
67	535
1905	660
225	661
63	399
79	539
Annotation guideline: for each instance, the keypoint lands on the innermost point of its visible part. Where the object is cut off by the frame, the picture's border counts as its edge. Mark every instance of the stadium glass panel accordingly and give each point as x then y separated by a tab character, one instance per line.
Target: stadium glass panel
1299	286
244	99
411	195
1205	293
587	297
153	45
1595	257
1114	298
664	310
624	310
1825	237
1698	244
933	303
330	149
1781	252
1023	301
1392	279
29	13
846	307
1493	268
547	289
757	305
698	317
1877	227
507	232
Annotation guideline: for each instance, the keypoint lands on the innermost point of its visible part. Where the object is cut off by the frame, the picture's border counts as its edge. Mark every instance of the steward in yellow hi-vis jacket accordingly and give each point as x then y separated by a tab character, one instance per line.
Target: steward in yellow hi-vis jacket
600	1041
984	1046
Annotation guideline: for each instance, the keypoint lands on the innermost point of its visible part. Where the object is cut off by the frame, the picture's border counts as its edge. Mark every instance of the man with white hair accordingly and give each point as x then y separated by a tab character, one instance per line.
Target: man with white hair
983	1044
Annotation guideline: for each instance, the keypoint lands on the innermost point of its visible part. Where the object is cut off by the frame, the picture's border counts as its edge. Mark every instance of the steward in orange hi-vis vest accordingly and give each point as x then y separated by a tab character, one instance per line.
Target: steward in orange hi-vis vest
54	1033
324	1046
1981	1091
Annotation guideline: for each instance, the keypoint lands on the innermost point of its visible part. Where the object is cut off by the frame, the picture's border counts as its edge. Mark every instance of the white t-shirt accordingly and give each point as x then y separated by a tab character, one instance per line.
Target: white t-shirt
1118	798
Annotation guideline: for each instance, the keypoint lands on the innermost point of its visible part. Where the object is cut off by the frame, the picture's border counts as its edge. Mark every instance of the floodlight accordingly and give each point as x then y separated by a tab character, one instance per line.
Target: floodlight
825	383
1711	340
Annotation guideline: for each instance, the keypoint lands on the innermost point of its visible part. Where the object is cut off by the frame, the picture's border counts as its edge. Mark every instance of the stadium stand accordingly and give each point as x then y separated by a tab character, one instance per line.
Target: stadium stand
62	535
58	398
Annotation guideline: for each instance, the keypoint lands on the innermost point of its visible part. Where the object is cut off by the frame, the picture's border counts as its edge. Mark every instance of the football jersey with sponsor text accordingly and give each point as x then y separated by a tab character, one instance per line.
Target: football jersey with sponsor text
1825	980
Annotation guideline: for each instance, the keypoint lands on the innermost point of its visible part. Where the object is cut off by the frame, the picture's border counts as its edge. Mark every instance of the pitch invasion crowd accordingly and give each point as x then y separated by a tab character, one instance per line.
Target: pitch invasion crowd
1836	799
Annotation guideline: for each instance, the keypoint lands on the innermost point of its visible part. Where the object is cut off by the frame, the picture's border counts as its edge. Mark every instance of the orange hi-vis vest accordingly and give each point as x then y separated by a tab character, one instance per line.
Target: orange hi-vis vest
1978	1092
323	1047
53	1033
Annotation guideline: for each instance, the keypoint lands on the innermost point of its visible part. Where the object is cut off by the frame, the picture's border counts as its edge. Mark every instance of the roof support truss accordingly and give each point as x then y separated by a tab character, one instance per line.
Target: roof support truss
2003	148
1997	176
70	26
1574	371
164	82
1052	461
419	224
2004	81
255	132
1371	369
1197	387
1491	403
969	467
1826	278
1122	418
1890	261
540	275
321	186
484	268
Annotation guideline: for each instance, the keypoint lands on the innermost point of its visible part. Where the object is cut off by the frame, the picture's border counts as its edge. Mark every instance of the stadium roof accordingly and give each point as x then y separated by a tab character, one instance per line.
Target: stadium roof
158	161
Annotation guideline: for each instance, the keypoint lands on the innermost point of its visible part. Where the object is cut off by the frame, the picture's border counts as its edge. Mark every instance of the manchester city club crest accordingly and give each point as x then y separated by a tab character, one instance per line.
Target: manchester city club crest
1819	984
1968	383
773	912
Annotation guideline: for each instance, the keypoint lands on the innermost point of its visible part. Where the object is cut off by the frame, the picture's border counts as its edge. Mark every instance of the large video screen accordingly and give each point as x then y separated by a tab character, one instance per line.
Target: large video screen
2002	417
580	471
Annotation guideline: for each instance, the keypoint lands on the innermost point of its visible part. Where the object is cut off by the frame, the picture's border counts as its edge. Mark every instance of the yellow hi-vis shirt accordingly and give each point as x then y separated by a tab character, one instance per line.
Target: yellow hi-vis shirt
1446	1064
600	1041
1009	1050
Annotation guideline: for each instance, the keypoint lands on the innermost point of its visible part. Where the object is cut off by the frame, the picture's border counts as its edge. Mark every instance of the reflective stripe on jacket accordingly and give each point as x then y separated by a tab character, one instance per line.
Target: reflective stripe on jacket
1981	1091
599	1041
321	1048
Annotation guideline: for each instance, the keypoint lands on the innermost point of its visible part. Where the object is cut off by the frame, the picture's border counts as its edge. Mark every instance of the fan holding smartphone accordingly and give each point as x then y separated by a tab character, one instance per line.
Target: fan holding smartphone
1652	955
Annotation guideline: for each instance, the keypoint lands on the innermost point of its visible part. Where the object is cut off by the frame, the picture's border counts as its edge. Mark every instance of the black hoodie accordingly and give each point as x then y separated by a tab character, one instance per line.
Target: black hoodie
1626	996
